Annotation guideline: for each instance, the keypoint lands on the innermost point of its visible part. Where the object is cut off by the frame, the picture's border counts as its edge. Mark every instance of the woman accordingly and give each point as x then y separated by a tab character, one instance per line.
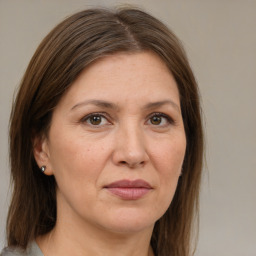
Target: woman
105	141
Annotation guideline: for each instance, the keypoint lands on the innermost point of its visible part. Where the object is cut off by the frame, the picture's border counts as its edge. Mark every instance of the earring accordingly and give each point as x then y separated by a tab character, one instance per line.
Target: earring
43	168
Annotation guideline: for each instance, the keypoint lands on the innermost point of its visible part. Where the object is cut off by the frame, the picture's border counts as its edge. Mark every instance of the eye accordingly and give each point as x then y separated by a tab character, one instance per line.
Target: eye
159	119
95	119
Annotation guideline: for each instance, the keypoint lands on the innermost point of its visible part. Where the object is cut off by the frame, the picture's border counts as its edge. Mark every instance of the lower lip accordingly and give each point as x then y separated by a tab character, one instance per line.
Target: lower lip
129	193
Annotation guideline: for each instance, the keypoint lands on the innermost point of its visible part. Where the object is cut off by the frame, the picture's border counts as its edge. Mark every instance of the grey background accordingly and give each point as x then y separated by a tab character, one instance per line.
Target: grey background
220	39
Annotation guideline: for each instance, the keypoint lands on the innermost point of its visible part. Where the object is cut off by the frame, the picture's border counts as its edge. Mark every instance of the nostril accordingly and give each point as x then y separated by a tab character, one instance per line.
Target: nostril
132	165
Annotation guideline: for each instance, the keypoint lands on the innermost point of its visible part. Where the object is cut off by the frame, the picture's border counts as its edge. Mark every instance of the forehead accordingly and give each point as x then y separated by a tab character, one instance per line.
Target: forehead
125	62
125	77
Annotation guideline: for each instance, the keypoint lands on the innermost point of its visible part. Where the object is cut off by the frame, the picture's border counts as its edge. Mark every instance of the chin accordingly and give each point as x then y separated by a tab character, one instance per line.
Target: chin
130	221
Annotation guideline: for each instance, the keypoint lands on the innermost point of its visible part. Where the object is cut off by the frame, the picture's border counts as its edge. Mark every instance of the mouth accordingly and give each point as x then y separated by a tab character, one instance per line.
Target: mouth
129	189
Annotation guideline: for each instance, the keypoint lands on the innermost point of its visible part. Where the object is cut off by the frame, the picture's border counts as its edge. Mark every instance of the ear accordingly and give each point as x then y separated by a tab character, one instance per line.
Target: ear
42	154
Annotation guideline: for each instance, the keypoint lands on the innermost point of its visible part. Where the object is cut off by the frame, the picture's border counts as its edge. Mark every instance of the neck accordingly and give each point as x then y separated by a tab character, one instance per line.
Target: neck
69	238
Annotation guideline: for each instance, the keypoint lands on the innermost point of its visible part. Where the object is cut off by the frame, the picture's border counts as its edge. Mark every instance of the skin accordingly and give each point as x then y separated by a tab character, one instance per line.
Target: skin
132	139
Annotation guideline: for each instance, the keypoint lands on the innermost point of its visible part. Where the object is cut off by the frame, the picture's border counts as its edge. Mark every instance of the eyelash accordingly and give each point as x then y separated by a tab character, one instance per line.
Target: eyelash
162	115
96	114
105	116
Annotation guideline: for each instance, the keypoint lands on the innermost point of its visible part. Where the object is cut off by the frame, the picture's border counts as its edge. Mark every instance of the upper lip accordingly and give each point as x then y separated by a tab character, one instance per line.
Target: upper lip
129	184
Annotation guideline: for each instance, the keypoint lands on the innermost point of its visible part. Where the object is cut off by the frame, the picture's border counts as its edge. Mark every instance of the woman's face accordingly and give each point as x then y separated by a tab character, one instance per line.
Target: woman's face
116	144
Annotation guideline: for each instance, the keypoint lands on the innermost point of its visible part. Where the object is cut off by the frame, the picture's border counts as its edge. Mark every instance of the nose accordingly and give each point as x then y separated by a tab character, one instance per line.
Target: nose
130	147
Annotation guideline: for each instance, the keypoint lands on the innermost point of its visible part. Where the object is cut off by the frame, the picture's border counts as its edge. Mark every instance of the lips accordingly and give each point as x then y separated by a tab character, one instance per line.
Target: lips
128	189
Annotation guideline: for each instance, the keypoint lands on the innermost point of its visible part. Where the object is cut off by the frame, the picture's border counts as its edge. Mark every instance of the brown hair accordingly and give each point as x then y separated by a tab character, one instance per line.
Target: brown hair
64	53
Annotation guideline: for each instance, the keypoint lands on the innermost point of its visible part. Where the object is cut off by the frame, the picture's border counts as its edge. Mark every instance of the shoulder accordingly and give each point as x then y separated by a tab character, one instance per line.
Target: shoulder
12	251
32	250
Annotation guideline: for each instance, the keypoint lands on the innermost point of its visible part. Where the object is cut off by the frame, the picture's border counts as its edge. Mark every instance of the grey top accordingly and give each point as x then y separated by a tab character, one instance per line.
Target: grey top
32	250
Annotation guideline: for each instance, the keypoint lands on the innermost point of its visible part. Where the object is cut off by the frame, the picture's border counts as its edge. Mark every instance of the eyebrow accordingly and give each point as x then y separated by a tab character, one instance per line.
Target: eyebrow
161	103
109	105
98	103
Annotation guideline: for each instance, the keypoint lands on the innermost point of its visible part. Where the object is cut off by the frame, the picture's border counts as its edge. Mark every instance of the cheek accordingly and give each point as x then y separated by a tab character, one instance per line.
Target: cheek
168	157
168	160
77	166
70	147
76	161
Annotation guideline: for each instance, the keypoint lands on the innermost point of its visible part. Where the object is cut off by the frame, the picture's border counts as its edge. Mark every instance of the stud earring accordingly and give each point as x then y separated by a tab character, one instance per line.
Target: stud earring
43	168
